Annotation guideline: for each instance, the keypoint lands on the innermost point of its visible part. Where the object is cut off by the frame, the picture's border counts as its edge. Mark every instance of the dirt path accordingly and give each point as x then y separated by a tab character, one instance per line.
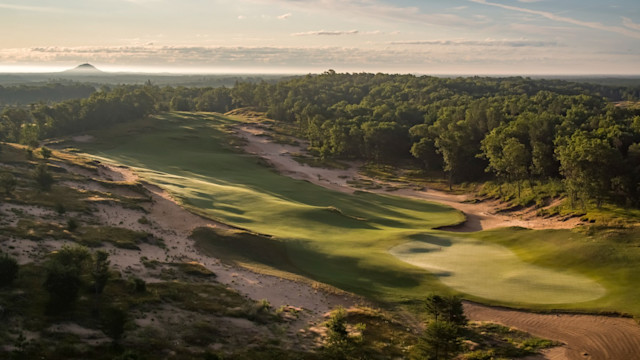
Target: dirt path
585	336
479	216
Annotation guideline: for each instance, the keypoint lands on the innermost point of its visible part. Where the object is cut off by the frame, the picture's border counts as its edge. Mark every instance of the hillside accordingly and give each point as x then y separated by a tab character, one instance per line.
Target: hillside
162	297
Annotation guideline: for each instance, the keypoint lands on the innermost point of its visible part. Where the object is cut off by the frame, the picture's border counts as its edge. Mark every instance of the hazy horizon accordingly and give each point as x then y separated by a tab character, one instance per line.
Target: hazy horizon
266	71
459	37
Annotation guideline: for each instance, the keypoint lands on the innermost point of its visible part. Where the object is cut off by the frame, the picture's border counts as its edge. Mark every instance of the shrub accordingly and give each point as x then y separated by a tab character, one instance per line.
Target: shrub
43	178
113	322
72	225
45	152
60	209
8	270
137	285
64	271
8	182
341	344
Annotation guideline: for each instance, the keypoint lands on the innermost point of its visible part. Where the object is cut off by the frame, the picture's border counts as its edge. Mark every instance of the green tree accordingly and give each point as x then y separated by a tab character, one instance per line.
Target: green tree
440	341
446	308
517	159
179	103
508	158
8	182
114	320
425	151
341	344
454	142
64	270
8	270
100	271
588	164
337	327
42	177
45	152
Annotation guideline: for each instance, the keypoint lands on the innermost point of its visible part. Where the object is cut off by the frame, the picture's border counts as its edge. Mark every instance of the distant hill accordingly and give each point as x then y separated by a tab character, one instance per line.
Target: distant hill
84	69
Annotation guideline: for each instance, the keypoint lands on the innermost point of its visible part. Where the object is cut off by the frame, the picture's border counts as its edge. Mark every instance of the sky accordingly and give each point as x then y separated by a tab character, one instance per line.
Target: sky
466	37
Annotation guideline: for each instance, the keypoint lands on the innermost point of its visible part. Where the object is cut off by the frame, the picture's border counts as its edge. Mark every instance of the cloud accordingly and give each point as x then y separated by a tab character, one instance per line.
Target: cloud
142	1
374	9
438	59
241	17
552	16
488	43
30	8
325	32
630	24
285	16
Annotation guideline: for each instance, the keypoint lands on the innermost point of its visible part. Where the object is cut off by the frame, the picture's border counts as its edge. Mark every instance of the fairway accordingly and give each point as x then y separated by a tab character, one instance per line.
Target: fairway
337	238
494	272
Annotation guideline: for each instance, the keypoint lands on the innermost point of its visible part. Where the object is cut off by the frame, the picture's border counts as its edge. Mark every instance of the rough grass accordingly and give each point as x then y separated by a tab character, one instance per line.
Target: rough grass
120	237
185	319
493	341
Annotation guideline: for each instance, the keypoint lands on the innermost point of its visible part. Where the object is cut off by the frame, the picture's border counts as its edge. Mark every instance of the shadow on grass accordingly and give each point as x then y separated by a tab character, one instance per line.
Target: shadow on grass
347	273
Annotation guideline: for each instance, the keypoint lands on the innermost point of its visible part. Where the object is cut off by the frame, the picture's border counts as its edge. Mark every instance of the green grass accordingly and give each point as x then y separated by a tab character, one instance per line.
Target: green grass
609	256
324	233
341	239
492	271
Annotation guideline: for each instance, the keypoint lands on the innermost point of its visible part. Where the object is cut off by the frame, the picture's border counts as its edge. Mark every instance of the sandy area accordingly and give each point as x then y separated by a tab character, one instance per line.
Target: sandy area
480	215
167	220
584	336
82	138
173	224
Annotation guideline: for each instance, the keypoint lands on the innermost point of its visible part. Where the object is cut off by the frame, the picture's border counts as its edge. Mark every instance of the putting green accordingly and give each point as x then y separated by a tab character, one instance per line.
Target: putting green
494	272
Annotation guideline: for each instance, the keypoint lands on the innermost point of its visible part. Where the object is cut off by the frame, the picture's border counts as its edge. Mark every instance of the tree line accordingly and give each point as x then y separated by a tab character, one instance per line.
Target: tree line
51	92
514	129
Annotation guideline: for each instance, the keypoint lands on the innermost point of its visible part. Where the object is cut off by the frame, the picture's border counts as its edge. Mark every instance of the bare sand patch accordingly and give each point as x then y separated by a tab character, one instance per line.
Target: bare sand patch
83	138
585	336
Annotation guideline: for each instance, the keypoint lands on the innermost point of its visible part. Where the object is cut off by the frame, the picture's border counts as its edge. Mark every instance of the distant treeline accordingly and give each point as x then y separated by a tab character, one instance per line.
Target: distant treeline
114	79
52	92
515	128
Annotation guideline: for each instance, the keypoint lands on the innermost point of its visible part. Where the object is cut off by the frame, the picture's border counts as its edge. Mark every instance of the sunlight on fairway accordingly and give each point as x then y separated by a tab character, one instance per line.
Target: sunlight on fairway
494	272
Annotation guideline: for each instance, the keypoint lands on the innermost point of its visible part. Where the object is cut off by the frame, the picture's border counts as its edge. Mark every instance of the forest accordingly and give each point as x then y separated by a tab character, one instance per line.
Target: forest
51	92
510	129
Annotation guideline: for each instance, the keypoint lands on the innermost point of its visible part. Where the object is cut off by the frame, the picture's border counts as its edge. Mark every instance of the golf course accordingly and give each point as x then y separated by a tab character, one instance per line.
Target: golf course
380	246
